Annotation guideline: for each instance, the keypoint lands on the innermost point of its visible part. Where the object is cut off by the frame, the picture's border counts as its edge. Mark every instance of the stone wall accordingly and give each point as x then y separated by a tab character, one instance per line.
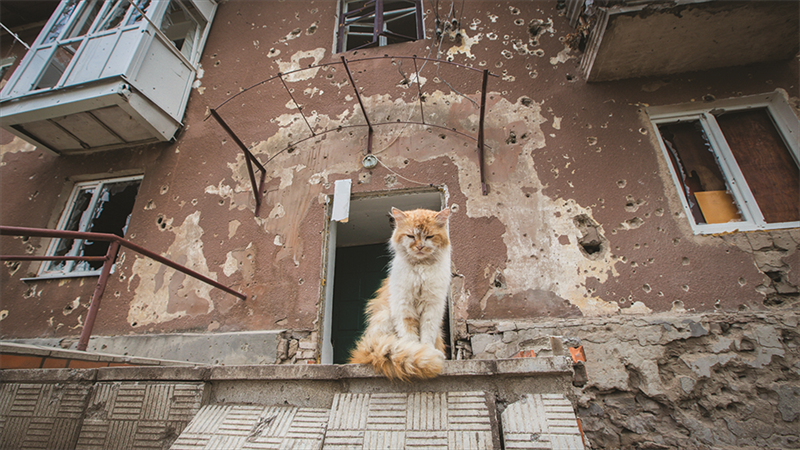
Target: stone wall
297	347
672	380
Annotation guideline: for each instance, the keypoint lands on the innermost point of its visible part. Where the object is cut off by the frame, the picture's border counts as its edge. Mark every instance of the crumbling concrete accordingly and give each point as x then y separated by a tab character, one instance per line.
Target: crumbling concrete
673	380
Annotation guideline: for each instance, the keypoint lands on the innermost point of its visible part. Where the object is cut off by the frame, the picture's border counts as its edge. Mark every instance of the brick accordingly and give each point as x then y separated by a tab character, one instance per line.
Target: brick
80	364
55	363
577	353
8	361
525	354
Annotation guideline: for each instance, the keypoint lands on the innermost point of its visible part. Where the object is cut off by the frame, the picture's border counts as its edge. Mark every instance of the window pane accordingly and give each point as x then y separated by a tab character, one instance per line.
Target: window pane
114	17
111	215
56	67
73	222
770	170
61	22
84	23
400	18
702	182
398	23
358	25
183	26
135	16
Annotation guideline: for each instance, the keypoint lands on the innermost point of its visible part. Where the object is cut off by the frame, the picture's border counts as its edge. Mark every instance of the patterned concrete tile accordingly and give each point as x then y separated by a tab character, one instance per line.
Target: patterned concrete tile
128	415
254	427
41	416
410	420
541	421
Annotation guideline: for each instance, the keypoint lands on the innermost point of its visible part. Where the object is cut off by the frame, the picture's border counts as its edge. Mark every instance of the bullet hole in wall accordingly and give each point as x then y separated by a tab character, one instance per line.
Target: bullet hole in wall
592	243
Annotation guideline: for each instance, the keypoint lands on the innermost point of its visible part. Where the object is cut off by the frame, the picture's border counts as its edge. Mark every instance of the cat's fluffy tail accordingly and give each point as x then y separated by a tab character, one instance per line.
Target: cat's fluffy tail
398	359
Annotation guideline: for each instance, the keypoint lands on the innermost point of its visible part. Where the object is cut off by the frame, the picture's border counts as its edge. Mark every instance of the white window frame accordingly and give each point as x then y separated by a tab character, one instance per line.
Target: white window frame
785	121
70	270
340	36
43	51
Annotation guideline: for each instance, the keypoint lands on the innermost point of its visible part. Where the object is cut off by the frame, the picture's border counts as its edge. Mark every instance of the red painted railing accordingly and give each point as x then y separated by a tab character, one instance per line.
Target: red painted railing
108	260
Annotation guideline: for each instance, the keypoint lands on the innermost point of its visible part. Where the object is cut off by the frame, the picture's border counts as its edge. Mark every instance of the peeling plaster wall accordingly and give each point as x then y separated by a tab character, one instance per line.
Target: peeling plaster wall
582	224
667	380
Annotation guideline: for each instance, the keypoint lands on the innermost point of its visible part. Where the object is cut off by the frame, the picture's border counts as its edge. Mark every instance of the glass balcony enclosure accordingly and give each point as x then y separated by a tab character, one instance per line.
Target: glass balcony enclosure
106	74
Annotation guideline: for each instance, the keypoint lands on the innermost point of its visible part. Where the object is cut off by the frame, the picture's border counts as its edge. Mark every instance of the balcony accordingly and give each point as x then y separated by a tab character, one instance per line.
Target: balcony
96	77
639	38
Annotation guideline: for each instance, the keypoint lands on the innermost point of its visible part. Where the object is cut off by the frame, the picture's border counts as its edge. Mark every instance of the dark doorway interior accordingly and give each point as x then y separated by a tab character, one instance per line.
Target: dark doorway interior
359	273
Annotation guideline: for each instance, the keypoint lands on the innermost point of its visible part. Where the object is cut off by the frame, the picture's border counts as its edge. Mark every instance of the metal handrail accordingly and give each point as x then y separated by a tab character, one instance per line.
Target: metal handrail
108	260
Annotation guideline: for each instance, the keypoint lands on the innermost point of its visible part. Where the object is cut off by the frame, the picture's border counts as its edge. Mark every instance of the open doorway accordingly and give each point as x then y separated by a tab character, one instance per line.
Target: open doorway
358	261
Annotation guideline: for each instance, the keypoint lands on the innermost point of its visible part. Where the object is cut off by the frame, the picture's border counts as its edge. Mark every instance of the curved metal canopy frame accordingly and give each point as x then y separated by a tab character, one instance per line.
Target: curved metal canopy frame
251	160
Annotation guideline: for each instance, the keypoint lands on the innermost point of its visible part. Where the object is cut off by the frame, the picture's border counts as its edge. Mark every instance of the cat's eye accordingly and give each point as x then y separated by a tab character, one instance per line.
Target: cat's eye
428	238
410	235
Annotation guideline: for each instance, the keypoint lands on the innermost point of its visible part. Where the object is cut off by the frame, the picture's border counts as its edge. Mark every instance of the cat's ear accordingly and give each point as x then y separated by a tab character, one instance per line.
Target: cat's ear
442	216
399	216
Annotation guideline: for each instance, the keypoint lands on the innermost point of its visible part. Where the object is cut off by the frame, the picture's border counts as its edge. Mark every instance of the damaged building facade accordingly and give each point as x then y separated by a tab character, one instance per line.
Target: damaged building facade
622	176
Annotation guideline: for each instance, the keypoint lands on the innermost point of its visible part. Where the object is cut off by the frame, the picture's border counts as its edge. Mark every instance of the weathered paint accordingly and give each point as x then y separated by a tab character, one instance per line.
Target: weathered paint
161	294
566	162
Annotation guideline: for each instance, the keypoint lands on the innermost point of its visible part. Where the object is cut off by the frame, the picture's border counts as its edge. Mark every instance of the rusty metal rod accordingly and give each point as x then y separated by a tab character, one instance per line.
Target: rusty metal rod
318	66
296	143
41	232
97	296
180	268
247	157
363	109
44	232
297	105
484	188
419	91
115	243
51	258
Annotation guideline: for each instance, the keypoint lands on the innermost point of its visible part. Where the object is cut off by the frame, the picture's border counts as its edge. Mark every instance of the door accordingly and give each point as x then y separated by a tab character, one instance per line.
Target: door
359	272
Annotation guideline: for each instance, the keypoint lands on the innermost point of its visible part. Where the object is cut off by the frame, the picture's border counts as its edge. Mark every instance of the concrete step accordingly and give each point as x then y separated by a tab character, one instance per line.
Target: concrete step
431	420
472	404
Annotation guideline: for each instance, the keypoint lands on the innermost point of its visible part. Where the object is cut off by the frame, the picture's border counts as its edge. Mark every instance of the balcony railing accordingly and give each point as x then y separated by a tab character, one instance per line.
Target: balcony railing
108	261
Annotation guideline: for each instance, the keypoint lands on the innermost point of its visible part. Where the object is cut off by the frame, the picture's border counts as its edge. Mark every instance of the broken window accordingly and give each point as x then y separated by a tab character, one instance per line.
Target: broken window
102	206
736	167
183	25
377	23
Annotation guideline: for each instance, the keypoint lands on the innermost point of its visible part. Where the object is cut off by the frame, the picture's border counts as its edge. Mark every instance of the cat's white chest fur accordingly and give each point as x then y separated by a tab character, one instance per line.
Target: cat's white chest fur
419	292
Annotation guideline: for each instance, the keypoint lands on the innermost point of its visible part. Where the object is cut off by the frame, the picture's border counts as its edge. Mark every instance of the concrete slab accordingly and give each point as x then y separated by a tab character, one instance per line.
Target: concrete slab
260	407
41	416
251	427
239	348
252	347
122	415
541	421
438	420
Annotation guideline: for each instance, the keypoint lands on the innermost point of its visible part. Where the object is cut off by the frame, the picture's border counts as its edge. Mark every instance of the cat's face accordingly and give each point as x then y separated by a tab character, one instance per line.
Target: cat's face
421	233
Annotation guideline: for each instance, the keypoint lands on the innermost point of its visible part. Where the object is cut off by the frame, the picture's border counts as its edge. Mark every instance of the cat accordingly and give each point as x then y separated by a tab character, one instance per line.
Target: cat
403	339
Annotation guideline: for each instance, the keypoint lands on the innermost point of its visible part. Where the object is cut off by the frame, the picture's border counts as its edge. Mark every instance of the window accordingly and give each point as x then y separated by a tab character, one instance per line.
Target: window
377	23
102	206
73	23
183	25
735	162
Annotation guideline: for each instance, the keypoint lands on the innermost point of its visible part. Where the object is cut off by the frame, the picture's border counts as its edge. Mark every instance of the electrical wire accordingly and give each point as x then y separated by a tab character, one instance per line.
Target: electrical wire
398	175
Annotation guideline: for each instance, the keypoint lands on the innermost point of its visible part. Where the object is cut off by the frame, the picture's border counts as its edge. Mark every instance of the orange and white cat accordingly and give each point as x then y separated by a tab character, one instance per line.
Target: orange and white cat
403	336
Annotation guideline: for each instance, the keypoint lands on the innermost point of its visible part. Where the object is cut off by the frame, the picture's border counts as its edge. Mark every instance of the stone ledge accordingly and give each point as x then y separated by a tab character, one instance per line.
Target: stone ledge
509	367
13	348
